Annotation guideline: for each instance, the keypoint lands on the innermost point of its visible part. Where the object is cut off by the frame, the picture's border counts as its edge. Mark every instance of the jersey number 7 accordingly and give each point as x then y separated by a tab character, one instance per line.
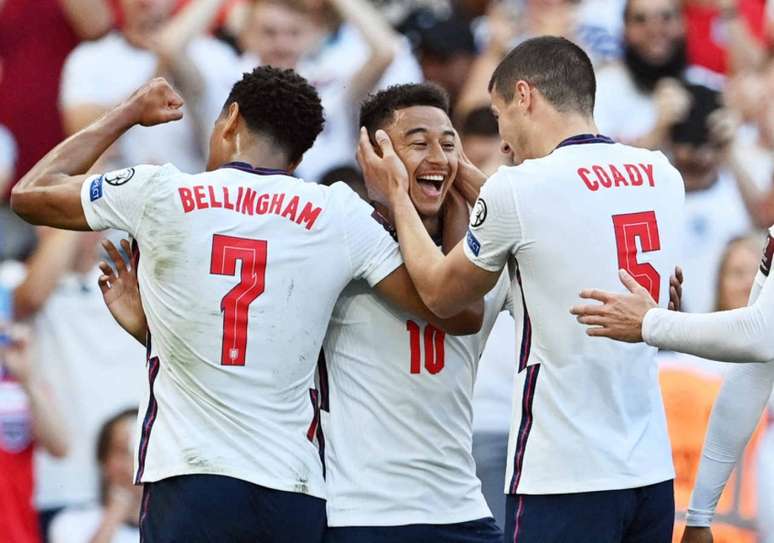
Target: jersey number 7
226	250
628	228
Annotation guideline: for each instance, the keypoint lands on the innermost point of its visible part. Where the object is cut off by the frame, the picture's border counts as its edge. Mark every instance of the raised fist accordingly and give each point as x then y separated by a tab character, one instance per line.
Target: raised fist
154	103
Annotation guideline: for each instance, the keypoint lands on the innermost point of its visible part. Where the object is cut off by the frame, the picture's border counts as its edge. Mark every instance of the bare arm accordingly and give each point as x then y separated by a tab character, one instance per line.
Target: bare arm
446	284
47	424
192	21
50	193
53	257
90	19
382	43
503	25
745	52
398	289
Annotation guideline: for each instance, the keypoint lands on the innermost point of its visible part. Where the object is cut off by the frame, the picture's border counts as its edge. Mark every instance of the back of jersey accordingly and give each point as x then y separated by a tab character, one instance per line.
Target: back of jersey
588	414
239	272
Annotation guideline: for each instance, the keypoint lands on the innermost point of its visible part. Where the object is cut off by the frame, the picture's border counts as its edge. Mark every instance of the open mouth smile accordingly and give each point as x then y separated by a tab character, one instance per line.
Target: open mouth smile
431	184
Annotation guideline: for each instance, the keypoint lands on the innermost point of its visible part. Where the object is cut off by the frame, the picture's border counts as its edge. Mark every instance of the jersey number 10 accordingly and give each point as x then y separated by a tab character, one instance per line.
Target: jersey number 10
226	250
434	348
628	228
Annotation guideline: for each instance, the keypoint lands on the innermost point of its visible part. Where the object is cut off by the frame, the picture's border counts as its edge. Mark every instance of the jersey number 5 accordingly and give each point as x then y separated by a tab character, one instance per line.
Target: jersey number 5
226	250
628	228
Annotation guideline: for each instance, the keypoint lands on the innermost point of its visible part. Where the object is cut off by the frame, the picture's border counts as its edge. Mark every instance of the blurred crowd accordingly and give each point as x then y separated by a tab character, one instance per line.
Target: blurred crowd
692	78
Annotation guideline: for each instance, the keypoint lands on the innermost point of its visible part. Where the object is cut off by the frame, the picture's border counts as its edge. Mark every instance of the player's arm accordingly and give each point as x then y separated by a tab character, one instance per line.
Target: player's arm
739	335
50	193
446	284
738	408
398	289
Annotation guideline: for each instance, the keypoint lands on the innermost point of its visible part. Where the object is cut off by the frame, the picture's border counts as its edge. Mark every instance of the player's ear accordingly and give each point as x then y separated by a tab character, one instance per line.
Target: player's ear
232	121
523	95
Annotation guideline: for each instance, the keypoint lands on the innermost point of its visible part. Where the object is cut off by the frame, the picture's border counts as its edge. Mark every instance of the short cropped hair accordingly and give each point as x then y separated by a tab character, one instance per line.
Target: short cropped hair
378	110
558	68
281	105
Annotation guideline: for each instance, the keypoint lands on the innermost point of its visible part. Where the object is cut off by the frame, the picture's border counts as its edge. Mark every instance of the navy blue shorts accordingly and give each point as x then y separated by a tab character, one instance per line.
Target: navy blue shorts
636	515
475	531
215	508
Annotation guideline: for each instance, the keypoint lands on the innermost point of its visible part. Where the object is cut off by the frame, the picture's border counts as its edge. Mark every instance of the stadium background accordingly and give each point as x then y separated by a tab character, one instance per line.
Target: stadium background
692	78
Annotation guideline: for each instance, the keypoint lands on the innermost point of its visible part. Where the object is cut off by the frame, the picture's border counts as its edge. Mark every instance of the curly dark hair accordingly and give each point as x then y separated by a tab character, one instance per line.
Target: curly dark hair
280	104
379	108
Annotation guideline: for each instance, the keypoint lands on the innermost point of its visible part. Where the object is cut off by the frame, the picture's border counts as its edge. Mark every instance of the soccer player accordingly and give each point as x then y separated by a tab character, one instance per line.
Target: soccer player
240	270
398	415
739	335
589	454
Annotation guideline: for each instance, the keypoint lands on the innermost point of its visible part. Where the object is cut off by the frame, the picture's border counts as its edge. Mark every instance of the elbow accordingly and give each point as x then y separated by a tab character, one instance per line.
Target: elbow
59	448
22	202
439	306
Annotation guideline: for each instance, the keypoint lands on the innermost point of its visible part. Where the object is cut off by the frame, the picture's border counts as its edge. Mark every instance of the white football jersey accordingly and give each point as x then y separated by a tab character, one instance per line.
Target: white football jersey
239	272
588	413
398	421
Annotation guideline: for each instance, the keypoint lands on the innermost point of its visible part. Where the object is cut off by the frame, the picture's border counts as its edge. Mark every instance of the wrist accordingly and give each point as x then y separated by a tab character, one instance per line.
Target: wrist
126	114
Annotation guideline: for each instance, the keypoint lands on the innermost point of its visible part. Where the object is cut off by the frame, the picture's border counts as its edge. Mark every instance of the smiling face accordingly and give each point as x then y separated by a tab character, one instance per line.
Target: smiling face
423	138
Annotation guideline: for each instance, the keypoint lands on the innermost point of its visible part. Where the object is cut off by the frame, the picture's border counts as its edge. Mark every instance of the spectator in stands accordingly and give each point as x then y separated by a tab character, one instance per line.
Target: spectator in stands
591	24
276	33
714	210
641	98
152	43
90	360
355	52
345	48
28	418
445	47
689	387
35	38
727	36
752	152
481	141
117	517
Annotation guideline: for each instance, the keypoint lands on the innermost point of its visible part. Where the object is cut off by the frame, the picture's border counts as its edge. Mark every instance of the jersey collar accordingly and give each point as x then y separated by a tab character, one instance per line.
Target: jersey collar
245	167
580	139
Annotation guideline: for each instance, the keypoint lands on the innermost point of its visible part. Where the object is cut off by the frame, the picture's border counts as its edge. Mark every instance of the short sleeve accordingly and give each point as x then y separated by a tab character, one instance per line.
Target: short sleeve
118	199
373	252
495	228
